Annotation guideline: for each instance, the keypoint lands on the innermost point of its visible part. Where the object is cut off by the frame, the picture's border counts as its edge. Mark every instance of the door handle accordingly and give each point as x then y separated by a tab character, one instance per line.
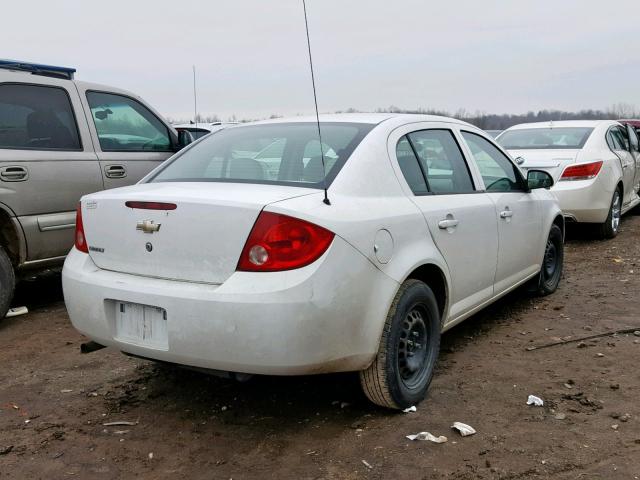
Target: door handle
506	213
14	174
448	223
115	171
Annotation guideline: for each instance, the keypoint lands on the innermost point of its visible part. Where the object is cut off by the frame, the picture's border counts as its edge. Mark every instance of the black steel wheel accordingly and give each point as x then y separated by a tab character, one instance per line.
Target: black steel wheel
402	370
553	261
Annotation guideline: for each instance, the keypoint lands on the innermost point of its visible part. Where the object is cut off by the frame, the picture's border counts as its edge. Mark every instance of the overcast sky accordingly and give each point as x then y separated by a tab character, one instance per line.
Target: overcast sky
251	57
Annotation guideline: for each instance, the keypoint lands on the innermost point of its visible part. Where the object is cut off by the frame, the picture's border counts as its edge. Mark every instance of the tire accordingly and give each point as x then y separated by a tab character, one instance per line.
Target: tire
402	370
549	277
609	228
7	283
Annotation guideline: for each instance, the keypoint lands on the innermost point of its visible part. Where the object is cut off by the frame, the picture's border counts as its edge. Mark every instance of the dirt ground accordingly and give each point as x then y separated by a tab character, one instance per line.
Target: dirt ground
54	401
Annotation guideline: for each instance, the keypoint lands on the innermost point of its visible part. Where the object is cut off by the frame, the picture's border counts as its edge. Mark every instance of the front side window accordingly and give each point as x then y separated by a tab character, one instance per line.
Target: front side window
34	117
125	125
282	154
497	171
442	161
545	138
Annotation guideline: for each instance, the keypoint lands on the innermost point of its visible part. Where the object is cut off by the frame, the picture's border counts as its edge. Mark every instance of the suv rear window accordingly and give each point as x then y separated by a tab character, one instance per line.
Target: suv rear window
281	154
545	138
34	117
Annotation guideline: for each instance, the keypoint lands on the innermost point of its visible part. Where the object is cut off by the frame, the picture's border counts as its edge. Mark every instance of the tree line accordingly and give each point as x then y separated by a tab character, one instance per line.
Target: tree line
486	121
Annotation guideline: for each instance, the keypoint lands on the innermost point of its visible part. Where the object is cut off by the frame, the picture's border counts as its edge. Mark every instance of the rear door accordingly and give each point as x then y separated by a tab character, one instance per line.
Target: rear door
618	140
47	161
461	218
131	140
634	142
517	212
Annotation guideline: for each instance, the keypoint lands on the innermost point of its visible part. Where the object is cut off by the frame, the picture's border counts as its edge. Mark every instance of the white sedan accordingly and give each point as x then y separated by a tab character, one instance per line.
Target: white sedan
596	166
221	261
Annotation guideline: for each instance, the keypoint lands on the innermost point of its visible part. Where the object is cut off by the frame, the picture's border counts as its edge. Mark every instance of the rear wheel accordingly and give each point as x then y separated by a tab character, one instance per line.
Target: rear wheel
609	228
549	278
7	283
402	370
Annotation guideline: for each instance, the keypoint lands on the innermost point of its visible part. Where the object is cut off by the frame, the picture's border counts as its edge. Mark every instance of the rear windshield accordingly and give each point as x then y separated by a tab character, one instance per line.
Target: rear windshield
281	154
541	138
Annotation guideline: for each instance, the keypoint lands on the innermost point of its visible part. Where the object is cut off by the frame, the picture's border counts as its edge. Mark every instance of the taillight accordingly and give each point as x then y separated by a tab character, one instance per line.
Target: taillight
279	242
81	241
584	171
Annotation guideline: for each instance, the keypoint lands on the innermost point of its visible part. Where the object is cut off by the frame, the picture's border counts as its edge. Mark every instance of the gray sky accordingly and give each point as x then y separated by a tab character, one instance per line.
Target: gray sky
251	58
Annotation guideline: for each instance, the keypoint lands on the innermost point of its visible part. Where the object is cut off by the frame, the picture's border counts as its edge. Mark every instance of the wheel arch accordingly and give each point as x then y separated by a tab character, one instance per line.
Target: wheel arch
560	222
433	276
11	238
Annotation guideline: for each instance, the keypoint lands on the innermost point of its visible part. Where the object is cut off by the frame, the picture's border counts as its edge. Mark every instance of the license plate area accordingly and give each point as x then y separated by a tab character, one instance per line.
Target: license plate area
142	325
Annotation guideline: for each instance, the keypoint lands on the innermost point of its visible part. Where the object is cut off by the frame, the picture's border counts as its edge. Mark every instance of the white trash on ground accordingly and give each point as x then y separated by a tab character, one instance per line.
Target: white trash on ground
427	436
464	429
535	401
410	409
17	311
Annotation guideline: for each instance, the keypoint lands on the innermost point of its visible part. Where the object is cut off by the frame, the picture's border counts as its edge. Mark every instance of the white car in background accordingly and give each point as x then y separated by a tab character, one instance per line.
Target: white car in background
595	164
198	130
226	259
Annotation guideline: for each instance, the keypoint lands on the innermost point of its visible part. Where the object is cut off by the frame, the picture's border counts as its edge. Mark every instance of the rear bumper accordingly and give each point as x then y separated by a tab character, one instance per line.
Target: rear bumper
586	201
326	317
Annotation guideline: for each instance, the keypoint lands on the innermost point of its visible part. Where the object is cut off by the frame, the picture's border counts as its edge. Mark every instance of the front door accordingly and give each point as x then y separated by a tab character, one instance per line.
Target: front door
461	219
520	239
130	139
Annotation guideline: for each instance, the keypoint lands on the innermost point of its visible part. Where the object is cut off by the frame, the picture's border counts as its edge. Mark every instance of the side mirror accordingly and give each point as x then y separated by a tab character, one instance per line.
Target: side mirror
184	138
539	179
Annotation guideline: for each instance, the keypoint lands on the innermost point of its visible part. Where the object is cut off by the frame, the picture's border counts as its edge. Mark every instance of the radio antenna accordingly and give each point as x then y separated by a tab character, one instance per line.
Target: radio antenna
315	100
195	98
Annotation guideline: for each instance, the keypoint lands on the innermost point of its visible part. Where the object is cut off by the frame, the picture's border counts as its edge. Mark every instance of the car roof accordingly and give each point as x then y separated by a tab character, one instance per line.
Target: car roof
368	118
564	123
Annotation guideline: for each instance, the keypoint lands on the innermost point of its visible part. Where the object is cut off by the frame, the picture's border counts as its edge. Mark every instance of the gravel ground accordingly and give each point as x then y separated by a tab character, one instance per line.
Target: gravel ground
54	401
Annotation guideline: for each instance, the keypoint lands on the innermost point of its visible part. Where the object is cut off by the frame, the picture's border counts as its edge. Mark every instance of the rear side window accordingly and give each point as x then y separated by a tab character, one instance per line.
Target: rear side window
497	171
125	125
34	117
618	139
410	167
442	161
280	153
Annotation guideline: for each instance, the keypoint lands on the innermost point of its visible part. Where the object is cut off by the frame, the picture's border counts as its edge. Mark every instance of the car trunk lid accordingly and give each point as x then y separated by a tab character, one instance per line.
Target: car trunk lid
551	161
198	241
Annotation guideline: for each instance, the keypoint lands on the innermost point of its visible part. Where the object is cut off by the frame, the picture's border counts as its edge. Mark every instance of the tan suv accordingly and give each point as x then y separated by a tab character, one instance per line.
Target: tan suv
61	139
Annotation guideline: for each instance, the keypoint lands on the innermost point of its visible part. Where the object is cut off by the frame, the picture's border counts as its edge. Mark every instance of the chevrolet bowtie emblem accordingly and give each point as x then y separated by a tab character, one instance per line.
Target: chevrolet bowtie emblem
148	226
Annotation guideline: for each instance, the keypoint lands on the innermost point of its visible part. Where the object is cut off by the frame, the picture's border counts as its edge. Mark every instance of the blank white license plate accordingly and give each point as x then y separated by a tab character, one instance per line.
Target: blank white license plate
142	325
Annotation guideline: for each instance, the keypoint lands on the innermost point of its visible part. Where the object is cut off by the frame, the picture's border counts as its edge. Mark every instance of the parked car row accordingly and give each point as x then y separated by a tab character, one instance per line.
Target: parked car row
263	249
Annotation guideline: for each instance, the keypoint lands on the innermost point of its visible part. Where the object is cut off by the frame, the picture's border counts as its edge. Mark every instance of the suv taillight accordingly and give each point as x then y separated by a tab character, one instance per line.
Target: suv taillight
81	241
279	242
584	171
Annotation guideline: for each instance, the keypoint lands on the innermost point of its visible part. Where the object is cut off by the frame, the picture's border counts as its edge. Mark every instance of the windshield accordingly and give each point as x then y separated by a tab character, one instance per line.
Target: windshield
281	154
545	138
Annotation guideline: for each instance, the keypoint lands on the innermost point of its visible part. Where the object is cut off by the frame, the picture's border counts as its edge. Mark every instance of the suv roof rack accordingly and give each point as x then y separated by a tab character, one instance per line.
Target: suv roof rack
39	69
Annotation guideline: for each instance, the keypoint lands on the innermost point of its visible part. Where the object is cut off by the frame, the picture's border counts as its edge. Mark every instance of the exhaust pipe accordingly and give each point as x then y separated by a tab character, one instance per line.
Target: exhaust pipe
89	347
